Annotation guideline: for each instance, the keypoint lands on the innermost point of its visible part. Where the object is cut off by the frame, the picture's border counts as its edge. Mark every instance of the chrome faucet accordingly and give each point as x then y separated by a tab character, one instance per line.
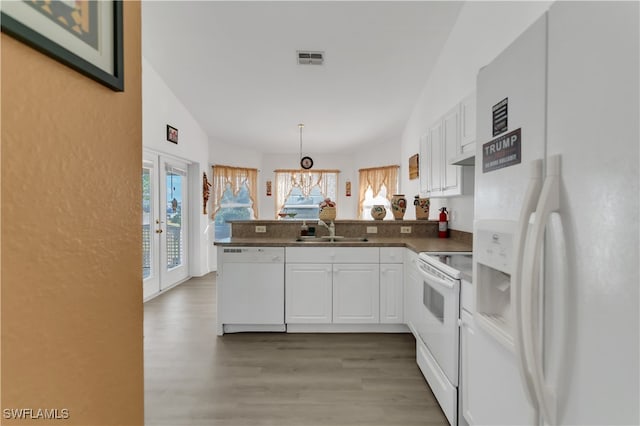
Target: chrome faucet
331	227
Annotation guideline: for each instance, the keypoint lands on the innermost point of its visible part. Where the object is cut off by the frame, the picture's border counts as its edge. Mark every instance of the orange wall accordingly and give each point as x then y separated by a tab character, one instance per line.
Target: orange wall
70	248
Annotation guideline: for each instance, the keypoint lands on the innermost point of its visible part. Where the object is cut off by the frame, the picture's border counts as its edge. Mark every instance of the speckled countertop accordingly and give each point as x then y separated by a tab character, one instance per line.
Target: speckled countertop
416	244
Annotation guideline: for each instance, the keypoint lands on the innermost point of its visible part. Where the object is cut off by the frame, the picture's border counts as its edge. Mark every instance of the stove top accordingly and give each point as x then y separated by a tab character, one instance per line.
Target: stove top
454	264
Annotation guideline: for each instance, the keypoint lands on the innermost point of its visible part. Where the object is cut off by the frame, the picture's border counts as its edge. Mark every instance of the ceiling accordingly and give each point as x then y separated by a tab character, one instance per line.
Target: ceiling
234	67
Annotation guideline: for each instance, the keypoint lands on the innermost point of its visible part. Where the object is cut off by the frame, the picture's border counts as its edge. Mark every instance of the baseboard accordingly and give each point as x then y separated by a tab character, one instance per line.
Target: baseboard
347	328
164	290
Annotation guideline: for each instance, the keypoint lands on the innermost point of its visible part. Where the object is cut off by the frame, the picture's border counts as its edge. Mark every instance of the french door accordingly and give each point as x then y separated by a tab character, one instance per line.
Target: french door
165	212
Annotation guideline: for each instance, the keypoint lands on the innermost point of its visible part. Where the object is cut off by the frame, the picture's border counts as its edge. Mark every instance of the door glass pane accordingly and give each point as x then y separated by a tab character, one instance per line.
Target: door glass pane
174	238
146	223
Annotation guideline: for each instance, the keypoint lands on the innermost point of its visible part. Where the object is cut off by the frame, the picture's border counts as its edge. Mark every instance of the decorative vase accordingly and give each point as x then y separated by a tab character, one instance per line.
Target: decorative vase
422	207
378	212
398	206
327	213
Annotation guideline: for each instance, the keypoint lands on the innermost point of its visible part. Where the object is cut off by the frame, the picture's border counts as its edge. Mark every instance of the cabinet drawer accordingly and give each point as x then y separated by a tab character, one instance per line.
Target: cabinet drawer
391	254
332	255
442	389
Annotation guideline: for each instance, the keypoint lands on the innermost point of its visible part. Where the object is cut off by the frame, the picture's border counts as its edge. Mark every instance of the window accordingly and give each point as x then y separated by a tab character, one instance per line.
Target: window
233	189
370	200
376	186
298	192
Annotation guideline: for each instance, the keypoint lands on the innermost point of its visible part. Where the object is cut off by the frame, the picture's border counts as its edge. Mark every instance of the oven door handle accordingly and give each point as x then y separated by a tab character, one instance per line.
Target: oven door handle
451	285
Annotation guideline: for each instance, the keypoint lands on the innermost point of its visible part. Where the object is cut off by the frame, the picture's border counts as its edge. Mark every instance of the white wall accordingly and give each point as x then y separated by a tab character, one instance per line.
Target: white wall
482	31
159	108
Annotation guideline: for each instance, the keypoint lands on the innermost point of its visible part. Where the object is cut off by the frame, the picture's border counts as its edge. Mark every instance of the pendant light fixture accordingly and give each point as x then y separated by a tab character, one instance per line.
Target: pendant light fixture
304	180
305	162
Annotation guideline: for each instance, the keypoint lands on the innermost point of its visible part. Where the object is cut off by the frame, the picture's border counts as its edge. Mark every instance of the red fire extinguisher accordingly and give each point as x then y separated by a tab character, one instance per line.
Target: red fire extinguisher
443	224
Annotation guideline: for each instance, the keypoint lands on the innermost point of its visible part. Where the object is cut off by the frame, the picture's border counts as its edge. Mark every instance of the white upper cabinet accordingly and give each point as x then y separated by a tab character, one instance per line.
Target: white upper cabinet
451	175
425	167
435	159
450	137
468	124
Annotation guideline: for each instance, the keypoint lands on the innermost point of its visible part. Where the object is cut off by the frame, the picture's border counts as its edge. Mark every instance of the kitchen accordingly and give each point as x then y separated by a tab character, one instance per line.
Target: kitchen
498	311
592	322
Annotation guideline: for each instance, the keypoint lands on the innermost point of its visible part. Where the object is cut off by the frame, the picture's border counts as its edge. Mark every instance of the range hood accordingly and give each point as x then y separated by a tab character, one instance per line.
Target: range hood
464	159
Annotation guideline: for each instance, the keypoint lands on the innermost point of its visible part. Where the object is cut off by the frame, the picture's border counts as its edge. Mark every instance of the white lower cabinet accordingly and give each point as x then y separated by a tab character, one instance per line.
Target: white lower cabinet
320	290
344	285
391	294
308	293
356	293
412	291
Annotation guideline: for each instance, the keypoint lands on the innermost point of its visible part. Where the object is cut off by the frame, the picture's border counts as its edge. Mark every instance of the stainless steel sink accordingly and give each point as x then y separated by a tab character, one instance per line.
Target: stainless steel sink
327	239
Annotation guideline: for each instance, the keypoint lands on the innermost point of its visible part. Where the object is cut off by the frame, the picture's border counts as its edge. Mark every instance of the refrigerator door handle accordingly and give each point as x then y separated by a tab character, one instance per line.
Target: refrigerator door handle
549	202
528	207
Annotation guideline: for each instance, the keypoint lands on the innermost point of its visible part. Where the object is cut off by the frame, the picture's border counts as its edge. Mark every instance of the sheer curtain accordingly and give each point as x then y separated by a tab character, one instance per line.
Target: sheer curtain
375	177
287	179
234	176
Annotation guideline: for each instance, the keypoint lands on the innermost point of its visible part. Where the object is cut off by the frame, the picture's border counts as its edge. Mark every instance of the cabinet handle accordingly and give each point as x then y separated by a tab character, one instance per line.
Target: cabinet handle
158	231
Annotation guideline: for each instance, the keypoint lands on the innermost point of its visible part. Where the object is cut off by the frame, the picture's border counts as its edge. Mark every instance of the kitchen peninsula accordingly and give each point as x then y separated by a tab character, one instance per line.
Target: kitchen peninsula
270	279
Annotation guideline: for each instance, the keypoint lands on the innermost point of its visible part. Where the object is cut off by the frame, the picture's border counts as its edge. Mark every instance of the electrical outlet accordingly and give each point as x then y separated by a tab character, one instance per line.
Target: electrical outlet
261	228
405	229
372	229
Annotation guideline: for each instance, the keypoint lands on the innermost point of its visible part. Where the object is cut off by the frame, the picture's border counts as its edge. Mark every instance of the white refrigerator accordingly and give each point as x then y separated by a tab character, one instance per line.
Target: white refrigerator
556	235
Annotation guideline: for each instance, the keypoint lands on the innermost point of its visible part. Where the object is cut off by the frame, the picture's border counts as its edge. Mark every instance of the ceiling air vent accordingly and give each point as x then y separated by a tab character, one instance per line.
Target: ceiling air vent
310	58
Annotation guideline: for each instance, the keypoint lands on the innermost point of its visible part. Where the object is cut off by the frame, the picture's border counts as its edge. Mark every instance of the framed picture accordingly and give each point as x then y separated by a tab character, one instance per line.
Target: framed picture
413	167
172	134
84	35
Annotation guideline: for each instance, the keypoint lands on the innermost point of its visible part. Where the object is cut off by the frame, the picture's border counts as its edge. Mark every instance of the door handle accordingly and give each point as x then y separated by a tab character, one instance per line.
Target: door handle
158	231
528	207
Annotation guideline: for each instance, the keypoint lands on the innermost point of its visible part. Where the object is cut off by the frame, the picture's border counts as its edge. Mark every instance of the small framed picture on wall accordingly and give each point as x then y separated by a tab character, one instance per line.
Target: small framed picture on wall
413	166
172	134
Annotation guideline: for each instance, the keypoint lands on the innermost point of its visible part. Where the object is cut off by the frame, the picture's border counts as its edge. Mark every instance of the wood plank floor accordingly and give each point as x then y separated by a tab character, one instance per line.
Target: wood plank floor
193	377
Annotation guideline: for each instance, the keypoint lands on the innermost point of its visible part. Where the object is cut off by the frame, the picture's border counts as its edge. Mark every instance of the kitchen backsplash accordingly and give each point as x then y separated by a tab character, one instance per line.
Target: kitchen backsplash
346	228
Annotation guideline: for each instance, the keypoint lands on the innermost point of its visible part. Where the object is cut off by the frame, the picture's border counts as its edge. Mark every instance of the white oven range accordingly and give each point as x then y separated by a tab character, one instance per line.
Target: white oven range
437	325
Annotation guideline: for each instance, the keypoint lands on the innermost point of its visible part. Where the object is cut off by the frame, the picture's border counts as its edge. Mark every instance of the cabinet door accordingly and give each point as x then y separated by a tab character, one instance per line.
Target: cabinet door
308	293
424	165
356	293
468	123
451	175
412	292
435	159
391	298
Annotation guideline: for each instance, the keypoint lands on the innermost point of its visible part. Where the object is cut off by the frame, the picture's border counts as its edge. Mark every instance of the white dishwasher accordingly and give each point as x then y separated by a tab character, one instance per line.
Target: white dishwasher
250	289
